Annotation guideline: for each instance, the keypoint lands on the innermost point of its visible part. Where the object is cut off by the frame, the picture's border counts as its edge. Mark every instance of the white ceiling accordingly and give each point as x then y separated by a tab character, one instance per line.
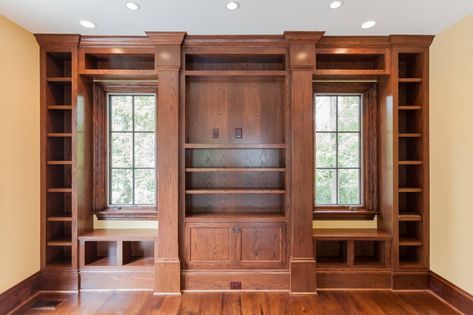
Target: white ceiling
253	17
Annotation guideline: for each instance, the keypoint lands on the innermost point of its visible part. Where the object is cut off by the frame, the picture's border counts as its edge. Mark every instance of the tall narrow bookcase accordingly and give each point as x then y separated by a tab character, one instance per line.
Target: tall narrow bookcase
59	86
411	167
57	112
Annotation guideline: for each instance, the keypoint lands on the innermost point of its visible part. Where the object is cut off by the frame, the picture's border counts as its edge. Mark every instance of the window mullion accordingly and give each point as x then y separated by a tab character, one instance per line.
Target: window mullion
133	147
336	151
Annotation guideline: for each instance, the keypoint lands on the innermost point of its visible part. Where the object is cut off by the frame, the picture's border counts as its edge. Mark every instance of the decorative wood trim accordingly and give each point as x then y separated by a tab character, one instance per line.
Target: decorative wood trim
20	293
116	41
354	279
334	214
168	64
58	40
234	40
423	41
59	280
354	41
166	38
303	37
117	280
451	293
125	214
255	280
410	280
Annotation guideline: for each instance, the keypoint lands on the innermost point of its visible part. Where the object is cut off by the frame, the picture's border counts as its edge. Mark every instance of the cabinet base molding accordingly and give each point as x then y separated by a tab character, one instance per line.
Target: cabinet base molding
60	280
117	280
341	279
303	276
410	280
168	276
20	293
244	280
449	292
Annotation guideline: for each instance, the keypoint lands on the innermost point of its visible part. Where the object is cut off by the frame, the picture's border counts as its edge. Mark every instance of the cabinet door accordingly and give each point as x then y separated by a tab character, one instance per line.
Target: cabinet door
210	245
261	245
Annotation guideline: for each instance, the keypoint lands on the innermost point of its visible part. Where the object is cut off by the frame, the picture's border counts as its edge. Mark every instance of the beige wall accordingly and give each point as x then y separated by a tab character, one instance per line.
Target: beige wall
19	158
451	154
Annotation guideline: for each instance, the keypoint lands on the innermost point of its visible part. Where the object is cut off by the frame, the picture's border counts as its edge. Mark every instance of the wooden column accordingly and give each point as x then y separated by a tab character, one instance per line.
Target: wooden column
168	65
302	65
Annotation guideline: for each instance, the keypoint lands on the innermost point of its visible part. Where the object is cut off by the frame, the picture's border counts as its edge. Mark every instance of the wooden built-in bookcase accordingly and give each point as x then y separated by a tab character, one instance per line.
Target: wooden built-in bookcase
412	163
60	250
235	163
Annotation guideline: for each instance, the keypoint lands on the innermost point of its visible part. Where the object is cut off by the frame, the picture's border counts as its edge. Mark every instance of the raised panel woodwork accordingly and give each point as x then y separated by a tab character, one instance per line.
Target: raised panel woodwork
262	245
211	245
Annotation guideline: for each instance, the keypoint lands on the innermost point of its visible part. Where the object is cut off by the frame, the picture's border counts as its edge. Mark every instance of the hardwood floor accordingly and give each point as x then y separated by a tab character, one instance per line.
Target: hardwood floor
327	302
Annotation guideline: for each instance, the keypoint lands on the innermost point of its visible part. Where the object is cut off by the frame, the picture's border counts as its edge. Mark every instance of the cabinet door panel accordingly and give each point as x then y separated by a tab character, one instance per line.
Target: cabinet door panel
262	245
210	245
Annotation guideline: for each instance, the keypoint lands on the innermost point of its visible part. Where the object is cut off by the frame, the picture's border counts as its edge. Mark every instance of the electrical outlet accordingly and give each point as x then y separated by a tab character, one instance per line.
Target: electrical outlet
238	133
235	285
215	133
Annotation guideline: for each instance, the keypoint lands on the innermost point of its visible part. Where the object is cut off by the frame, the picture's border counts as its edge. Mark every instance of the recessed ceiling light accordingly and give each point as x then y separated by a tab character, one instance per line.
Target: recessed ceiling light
132	5
368	24
232	5
335	4
87	24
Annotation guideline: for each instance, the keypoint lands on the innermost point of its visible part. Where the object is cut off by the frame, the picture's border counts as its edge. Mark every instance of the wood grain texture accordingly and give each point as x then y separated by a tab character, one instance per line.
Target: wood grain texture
327	302
19	293
206	280
449	292
167	255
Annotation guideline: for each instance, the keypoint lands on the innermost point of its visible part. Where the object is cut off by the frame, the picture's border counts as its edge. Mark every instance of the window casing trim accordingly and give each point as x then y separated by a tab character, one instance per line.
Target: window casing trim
368	210
100	206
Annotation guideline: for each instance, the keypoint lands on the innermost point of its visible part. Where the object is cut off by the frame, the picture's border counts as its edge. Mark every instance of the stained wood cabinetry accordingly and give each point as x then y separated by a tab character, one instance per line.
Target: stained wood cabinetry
235	245
235	162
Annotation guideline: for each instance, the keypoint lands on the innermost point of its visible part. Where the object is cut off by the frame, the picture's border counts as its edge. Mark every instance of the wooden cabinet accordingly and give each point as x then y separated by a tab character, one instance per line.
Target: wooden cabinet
235	245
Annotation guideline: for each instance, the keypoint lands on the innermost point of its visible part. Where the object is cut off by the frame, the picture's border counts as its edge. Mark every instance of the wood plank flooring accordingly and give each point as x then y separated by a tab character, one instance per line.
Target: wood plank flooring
327	302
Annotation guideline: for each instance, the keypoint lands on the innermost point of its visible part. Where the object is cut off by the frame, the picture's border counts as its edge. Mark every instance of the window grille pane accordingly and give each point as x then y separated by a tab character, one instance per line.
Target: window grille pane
122	186
121	108
348	187
144	186
348	113
326	113
122	149
326	187
144	150
326	154
144	113
348	150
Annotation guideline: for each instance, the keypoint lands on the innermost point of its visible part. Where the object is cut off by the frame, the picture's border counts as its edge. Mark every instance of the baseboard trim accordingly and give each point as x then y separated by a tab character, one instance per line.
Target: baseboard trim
410	280
452	294
353	279
20	293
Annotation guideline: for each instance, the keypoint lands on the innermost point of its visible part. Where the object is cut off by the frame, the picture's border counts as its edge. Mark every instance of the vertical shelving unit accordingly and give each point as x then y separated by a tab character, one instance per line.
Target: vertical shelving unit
234	165
58	159
411	168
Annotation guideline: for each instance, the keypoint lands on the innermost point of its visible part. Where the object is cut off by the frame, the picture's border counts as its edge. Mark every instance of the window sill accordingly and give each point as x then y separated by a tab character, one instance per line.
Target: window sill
344	214
149	213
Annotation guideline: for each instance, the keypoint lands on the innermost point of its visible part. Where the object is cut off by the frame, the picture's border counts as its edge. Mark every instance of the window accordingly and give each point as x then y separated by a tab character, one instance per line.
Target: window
131	150
338	156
